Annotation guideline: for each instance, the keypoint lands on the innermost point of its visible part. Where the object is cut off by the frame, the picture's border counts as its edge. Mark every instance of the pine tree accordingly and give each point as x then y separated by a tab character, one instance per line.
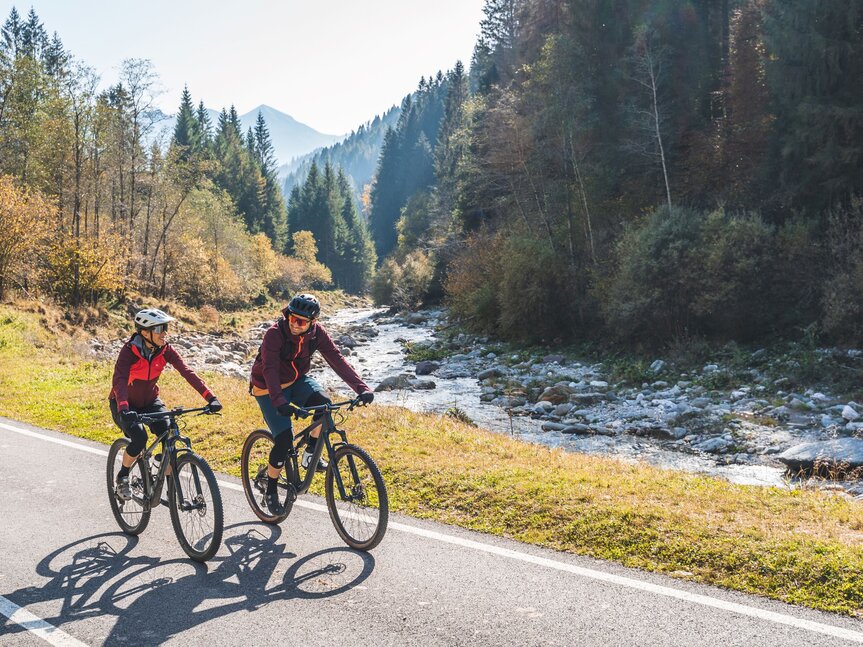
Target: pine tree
55	58
204	125
12	34
264	147
815	56
187	135
34	39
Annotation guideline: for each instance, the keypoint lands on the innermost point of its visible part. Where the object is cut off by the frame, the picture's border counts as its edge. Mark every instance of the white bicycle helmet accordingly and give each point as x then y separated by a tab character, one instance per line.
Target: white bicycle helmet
150	317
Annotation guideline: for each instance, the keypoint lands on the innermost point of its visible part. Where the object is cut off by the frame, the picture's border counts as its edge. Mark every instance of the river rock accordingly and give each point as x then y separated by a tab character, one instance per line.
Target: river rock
494	371
553	359
556	394
427	367
543	407
562	409
657	366
578	428
840	455
712	445
651	429
416	318
553	426
395	382
849	413
346	341
582	399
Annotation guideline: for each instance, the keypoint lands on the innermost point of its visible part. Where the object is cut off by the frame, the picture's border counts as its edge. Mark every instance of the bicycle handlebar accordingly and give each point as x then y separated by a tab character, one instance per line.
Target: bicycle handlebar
174	413
305	412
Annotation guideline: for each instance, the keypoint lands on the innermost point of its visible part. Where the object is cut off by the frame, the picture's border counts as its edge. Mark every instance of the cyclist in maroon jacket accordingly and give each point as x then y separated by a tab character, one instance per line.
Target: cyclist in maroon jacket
279	381
134	390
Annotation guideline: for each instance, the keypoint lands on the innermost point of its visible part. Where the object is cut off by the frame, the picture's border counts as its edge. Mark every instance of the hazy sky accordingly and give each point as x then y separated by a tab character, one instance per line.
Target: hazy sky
329	64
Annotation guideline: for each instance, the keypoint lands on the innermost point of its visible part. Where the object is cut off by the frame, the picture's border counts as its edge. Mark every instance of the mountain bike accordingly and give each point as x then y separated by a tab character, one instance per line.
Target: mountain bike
354	488
193	495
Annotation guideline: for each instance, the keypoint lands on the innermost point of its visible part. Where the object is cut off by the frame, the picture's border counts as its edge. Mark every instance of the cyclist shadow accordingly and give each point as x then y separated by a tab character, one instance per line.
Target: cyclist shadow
154	600
249	577
76	573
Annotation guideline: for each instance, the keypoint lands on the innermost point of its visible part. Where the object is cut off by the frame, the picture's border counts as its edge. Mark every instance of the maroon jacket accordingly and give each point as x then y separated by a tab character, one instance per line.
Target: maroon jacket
134	383
284	358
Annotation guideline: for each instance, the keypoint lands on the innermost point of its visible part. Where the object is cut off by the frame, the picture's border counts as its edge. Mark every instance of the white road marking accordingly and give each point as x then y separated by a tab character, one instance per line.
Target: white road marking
36	625
619	580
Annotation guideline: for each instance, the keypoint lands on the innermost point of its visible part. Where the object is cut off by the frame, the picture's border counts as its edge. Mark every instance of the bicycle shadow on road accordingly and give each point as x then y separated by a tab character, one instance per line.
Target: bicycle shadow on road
154	600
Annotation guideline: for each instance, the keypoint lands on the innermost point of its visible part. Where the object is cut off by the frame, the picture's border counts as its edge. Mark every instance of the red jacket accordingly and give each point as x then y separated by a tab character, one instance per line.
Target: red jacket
285	357
134	382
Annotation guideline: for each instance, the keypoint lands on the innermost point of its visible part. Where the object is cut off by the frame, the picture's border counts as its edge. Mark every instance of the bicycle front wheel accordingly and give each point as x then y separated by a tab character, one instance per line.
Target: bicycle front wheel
132	515
356	498
253	472
197	519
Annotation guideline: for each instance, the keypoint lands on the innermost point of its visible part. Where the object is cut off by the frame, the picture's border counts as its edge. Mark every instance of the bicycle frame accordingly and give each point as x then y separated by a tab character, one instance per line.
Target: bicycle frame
328	427
168	440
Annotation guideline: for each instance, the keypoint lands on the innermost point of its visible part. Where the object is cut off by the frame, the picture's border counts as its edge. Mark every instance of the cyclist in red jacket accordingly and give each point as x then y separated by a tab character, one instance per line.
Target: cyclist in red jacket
279	381
134	390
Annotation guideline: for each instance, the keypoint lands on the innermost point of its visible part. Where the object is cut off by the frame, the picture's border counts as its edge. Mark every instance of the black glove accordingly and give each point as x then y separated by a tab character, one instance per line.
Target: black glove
291	410
366	397
215	405
129	417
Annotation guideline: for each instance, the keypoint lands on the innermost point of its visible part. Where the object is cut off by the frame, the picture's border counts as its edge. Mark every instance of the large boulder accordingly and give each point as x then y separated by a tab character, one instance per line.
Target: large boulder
556	394
829	457
494	371
395	382
404	381
427	367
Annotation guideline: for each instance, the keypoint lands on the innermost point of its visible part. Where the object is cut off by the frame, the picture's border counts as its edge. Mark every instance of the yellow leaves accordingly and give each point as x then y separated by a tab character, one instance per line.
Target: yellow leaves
302	270
25	217
305	246
85	268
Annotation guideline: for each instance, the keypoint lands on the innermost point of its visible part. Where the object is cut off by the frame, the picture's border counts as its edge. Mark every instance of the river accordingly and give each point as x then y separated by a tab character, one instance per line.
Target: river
382	356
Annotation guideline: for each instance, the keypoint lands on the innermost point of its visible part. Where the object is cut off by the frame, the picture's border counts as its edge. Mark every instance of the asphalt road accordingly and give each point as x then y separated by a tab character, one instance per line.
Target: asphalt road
68	576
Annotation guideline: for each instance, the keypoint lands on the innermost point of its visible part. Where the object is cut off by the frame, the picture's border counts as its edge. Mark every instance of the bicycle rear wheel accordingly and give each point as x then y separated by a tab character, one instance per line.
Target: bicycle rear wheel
253	466
132	515
198	528
356	498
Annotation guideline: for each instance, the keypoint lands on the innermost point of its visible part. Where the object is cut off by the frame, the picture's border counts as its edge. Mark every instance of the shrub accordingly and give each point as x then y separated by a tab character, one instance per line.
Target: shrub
471	291
302	270
209	315
684	273
735	294
403	282
537	300
842	296
515	286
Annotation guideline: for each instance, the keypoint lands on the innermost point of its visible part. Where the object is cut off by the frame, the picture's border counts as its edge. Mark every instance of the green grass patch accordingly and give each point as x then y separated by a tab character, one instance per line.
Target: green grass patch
422	353
802	547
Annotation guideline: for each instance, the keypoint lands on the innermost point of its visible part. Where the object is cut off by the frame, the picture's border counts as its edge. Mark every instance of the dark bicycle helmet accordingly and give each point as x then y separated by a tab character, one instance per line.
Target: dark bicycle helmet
305	305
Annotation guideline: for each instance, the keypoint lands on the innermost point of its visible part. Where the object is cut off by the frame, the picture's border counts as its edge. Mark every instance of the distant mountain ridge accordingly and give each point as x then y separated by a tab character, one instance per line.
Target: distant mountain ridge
291	139
357	154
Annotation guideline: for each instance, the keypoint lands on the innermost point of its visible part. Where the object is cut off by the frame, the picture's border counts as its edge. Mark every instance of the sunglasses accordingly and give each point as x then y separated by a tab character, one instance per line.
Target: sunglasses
299	321
158	330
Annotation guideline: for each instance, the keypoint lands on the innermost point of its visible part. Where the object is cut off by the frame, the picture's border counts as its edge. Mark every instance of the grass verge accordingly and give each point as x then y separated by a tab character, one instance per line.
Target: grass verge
801	547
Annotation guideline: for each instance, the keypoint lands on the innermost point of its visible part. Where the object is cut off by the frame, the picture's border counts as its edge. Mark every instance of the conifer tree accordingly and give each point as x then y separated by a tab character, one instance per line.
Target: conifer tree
204	125
55	58
11	32
187	135
815	56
